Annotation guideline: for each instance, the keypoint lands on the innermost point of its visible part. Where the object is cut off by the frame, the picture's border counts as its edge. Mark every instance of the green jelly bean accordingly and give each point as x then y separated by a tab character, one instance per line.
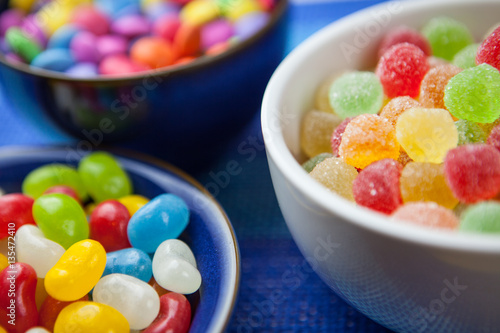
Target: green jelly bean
482	218
103	177
22	44
61	219
41	179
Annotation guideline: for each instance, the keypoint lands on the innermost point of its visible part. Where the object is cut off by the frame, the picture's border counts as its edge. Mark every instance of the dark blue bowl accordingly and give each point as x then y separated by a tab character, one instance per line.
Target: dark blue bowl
209	232
177	114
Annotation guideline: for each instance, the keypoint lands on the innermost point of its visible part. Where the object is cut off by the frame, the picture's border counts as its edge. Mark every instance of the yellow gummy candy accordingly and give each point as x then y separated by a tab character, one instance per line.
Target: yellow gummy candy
316	131
77	271
336	175
90	317
133	203
199	12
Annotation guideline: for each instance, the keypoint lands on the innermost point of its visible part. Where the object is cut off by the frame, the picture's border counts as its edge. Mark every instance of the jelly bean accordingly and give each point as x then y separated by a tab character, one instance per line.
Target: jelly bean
91	317
336	175
91	19
174	267
199	12
166	27
77	271
83	48
22	45
427	214
36	250
238	8
111	44
316	131
446	36
62	189
482	218
31	28
10	18
51	308
108	225
40	293
153	52
133	203
58	60
18	310
187	41
119	64
83	70
62	37
24	5
103	177
51	18
313	161
3	262
174	316
42	178
218	48
164	217
61	219
248	25
215	32
131	26
159	289
15	211
133	262
158	9
134	299
37	330
404	34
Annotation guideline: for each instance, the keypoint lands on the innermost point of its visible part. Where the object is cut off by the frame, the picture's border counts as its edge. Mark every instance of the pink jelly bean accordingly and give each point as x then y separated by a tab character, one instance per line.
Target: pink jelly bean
14	58
247	25
111	44
166	26
83	47
131	26
31	28
63	190
427	214
404	34
215	32
119	64
174	316
337	136
91	19
10	18
489	50
473	172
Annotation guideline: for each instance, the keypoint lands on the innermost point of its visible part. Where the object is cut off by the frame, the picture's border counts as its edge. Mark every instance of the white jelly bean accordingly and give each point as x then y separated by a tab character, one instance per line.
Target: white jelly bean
37	329
133	298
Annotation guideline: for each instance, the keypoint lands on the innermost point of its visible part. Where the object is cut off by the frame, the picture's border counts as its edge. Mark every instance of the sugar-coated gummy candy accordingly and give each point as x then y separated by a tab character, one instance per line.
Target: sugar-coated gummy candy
466	57
433	85
41	179
473	172
133	202
174	267
51	308
401	70
322	95
481	217
336	175
469	132
131	261
77	271
36	250
22	45
377	186
396	106
366	139
61	219
103	177
136	300
316	131
356	93
447	36
336	138
426	134
164	217
14	208
493	139
313	161
108	225
426	182
473	94
93	317
404	34
489	51
174	316
427	214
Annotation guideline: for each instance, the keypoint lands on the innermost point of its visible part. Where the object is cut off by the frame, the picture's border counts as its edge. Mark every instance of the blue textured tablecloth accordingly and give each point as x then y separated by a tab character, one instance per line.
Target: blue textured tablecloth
279	291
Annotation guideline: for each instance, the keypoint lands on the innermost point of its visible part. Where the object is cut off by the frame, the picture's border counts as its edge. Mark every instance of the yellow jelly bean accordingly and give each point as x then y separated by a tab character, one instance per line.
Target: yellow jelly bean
2	330
238	8
90	317
3	262
41	293
22	4
51	17
133	202
77	271
199	12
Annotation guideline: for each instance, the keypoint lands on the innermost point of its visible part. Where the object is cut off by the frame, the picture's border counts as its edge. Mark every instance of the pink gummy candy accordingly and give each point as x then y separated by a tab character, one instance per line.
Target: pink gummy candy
427	214
377	186
337	136
404	34
473	172
401	70
489	50
494	137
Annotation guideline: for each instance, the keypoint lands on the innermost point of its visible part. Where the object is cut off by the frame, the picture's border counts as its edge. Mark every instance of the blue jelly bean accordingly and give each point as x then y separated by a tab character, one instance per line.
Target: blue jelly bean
131	261
164	217
61	39
111	7
132	9
83	70
158	9
54	59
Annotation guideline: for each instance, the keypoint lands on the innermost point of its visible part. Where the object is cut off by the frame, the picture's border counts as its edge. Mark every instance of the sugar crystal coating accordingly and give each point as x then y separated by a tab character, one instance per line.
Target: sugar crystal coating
466	57
427	214
336	175
494	137
489	51
336	138
316	131
434	83
396	106
482	218
404	34
322	97
311	163
469	132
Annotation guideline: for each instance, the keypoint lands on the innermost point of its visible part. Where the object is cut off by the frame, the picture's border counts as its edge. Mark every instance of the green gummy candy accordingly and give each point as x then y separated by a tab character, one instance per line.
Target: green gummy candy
466	58
483	218
356	93
474	94
61	219
41	179
446	36
469	132
103	177
313	161
22	45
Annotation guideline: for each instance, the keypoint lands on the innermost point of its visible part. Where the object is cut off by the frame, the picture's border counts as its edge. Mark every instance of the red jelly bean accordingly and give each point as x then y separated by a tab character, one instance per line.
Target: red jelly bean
404	34
401	70
119	64
337	136
473	172
18	310
489	50
174	316
108	225
63	190
377	186
51	308
14	208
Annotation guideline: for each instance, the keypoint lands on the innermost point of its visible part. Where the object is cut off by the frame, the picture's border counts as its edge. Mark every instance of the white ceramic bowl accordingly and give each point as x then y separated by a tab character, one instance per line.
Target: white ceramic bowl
407	278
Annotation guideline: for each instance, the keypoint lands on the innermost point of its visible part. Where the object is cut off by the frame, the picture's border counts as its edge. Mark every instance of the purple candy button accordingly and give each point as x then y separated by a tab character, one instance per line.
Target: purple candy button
83	47
10	18
131	26
216	32
249	24
111	44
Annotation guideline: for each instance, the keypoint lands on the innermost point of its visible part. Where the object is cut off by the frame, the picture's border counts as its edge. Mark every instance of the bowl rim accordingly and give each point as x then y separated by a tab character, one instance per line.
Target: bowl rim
229	304
369	220
199	63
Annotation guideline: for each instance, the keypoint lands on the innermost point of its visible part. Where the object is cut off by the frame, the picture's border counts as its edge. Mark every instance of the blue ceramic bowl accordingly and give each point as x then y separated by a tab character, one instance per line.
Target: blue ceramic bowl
171	113
209	232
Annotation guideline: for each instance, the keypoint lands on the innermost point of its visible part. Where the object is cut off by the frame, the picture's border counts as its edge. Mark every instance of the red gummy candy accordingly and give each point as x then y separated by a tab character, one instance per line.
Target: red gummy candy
18	310
494	137
401	70
51	308
377	186
63	190
14	208
473	172
174	316
489	51
404	34
108	225
337	135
